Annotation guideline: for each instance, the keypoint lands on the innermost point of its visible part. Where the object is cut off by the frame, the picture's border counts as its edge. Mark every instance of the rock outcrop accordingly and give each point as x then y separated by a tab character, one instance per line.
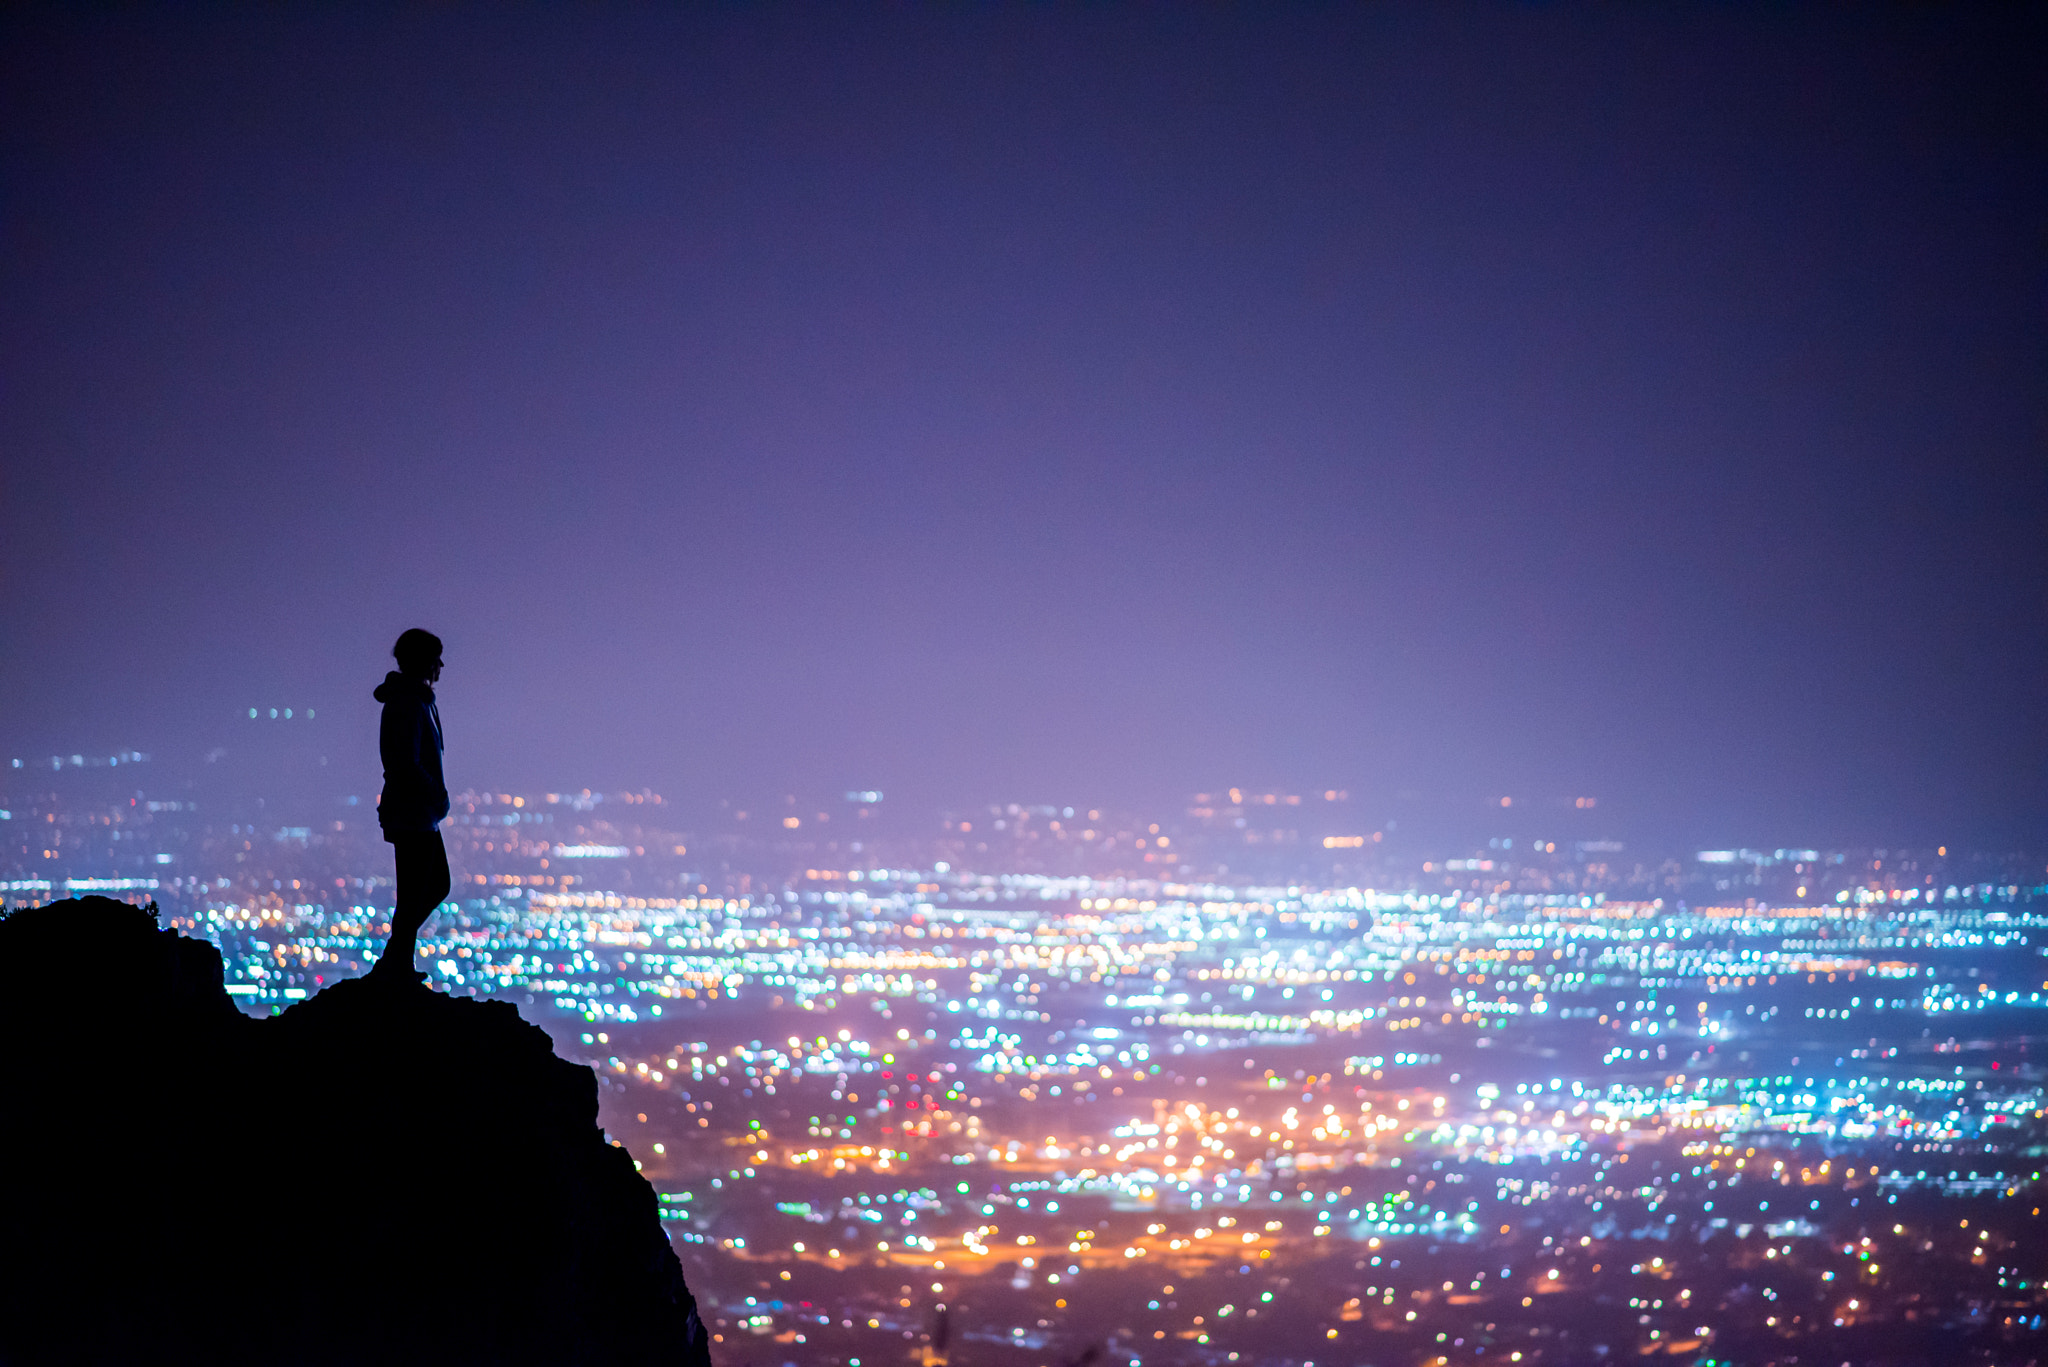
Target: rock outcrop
373	1176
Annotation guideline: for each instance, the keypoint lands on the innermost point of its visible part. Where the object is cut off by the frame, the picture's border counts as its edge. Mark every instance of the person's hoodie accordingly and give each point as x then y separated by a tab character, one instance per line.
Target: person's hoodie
409	739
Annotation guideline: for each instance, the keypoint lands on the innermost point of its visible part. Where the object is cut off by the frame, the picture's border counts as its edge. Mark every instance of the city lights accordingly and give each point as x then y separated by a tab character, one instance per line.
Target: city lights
1070	1090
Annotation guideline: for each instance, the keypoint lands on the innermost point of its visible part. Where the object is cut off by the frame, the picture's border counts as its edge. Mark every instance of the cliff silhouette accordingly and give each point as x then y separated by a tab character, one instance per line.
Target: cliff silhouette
375	1175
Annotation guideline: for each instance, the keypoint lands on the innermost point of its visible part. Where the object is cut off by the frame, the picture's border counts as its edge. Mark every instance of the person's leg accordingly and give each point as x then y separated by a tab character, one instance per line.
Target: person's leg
423	883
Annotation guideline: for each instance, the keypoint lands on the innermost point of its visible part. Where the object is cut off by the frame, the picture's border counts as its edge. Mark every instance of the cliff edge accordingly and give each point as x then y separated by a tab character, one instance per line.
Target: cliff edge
372	1176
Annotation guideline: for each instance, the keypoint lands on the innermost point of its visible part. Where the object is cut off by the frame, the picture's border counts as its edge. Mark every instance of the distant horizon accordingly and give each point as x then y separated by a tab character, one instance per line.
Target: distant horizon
1406	820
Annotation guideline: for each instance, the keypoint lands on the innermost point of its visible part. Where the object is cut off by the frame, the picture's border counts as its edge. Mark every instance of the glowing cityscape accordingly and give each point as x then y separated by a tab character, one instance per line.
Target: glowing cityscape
949	1113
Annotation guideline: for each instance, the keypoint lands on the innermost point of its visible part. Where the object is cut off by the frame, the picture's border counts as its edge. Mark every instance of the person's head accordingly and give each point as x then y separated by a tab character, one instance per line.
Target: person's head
418	653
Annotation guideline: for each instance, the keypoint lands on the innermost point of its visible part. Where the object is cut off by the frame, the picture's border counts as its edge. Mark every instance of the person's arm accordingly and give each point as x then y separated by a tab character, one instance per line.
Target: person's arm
433	780
399	738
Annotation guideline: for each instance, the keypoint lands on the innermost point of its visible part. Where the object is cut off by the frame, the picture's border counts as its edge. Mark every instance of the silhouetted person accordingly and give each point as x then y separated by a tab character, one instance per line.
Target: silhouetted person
415	798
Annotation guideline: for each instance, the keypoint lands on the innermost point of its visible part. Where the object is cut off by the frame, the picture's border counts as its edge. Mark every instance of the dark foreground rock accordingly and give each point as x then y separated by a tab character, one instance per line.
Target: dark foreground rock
373	1176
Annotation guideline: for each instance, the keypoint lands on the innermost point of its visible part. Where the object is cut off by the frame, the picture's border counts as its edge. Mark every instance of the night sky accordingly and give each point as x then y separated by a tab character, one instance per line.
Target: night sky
1049	404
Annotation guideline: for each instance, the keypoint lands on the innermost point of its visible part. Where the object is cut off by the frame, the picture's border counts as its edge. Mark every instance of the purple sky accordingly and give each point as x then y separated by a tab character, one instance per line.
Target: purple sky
1074	405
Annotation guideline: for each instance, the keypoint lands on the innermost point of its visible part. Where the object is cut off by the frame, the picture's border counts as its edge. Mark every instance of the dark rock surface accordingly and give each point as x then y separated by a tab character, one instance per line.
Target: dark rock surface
373	1176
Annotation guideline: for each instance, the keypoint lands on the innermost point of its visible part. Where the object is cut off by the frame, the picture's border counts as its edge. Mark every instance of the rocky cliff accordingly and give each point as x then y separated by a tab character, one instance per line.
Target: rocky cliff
372	1176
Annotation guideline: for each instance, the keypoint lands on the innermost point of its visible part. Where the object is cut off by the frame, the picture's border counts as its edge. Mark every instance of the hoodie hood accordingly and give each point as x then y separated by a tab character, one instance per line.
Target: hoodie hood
397	686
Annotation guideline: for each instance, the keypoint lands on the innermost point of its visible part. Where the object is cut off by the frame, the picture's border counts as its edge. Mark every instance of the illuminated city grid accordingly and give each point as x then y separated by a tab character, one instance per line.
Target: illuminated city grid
894	1114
